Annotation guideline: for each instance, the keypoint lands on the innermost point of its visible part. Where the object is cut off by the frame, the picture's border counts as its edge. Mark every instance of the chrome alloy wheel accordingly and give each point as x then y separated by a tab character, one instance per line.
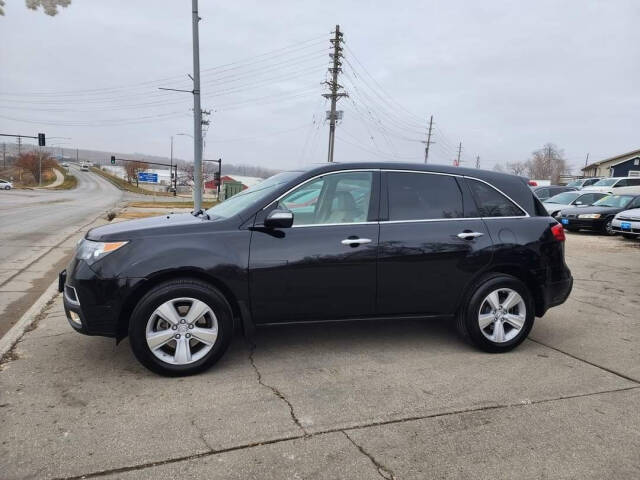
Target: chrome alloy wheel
182	331
502	315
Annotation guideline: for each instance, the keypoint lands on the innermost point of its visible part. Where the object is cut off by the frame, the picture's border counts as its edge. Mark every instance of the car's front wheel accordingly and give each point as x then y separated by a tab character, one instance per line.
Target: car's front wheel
498	314
607	228
181	327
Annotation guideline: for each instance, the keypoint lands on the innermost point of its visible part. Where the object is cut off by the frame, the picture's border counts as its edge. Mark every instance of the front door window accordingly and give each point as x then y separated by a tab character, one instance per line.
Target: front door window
332	199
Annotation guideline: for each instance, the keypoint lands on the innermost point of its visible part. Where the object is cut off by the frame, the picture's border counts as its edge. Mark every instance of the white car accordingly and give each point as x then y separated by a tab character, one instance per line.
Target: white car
627	223
583	182
5	185
571	199
612	184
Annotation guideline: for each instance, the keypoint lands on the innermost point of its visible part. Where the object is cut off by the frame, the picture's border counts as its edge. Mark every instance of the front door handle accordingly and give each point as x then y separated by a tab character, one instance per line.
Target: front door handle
355	241
469	235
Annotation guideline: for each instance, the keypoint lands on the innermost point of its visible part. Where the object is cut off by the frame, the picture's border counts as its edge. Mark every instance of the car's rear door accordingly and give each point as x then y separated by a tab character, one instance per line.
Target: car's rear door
429	247
324	266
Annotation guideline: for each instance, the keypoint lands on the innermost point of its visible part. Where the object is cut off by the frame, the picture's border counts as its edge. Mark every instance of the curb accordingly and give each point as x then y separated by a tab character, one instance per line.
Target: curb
16	332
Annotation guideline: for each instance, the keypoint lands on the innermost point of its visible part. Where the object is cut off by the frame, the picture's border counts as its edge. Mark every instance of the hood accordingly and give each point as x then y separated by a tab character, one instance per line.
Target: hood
590	209
597	189
144	227
633	214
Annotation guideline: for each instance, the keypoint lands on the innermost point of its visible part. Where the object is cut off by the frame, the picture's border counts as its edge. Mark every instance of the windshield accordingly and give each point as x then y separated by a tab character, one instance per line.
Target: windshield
564	198
233	205
614	201
605	182
575	183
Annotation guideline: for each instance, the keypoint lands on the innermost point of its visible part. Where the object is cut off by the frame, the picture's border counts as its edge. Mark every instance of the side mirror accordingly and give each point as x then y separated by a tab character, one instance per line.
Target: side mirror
279	219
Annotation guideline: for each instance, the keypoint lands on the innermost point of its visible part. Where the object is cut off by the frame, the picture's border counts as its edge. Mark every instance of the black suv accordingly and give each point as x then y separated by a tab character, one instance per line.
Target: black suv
337	242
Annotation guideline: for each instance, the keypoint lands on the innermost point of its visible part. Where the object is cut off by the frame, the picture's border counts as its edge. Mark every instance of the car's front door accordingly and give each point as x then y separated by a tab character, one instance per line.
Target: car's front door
428	250
324	266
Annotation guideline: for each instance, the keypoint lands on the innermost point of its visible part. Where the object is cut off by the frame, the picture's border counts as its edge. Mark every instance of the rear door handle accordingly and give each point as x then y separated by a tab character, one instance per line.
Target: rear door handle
355	241
469	235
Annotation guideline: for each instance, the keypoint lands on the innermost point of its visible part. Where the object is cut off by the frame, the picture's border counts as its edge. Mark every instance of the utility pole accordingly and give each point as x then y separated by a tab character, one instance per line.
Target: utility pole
77	155
428	142
334	86
171	167
197	113
19	146
477	161
586	161
4	155
459	152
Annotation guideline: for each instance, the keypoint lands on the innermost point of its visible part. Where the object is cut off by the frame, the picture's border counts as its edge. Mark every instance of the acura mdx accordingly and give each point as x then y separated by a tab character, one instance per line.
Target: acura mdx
336	242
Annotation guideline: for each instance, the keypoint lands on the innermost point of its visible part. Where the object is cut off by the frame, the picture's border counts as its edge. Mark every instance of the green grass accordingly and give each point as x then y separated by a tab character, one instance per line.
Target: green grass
70	181
124	185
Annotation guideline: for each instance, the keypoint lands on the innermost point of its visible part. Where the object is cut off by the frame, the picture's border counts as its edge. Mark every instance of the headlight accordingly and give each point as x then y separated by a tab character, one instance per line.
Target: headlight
91	251
589	215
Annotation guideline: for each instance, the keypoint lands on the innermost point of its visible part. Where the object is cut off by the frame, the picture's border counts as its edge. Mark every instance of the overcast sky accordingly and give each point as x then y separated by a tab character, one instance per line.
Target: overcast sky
503	77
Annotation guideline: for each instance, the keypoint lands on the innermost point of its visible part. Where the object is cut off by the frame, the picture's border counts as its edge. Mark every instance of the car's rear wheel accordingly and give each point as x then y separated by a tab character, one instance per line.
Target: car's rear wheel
498	315
181	327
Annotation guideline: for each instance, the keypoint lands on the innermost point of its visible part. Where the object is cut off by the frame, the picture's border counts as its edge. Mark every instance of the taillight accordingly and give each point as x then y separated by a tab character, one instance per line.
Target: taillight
558	232
532	183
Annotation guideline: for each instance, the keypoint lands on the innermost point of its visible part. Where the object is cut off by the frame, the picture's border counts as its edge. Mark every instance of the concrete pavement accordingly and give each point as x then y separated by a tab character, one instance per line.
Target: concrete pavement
38	231
363	400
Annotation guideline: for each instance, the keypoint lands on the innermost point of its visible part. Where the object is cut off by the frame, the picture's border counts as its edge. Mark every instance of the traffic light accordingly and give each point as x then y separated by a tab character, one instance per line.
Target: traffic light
216	176
41	140
113	159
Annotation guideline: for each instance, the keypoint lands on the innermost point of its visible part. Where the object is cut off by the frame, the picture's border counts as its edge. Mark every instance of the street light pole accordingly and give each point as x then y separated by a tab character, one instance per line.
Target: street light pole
197	113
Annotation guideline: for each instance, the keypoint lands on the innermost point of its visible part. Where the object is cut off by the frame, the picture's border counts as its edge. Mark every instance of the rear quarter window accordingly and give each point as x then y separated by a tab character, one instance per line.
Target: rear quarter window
492	203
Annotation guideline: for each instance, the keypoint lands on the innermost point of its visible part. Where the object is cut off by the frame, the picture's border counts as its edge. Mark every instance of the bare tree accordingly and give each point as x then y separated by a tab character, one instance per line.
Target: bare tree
498	168
547	163
132	169
517	168
35	162
50	7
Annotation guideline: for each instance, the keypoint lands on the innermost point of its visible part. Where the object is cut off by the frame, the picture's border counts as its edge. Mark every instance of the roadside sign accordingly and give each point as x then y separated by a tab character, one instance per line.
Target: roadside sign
147	177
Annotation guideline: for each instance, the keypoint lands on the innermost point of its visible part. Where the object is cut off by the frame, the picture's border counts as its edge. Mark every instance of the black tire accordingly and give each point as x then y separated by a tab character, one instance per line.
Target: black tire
629	236
607	227
176	289
467	320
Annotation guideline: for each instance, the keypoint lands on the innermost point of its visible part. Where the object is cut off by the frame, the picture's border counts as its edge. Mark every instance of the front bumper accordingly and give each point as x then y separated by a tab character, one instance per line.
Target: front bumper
92	304
632	227
583	223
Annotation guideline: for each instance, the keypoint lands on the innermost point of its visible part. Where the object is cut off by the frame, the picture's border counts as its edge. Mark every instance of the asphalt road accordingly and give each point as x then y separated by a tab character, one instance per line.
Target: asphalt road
37	231
365	400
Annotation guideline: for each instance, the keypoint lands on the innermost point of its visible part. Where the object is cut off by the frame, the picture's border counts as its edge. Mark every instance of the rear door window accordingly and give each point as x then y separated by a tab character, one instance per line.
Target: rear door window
423	196
543	193
492	203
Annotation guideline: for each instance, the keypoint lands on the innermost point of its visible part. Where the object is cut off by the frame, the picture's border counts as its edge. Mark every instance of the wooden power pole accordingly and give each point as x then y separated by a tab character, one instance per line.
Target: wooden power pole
334	88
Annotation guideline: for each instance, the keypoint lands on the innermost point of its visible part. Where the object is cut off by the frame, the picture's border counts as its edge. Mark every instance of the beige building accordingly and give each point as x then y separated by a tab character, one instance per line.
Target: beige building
625	165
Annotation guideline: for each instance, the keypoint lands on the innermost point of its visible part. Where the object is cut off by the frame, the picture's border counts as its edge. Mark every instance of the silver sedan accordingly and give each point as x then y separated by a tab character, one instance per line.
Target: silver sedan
570	199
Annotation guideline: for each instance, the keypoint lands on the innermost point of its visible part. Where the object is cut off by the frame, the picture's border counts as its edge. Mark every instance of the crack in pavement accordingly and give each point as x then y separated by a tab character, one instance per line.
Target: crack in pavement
276	392
606	369
595	305
383	471
337	430
201	434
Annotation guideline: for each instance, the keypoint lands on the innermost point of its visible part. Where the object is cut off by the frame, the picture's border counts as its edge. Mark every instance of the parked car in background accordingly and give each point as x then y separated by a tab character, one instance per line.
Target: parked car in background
550	190
337	242
627	223
84	167
599	216
612	184
570	199
5	185
583	182
65	164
